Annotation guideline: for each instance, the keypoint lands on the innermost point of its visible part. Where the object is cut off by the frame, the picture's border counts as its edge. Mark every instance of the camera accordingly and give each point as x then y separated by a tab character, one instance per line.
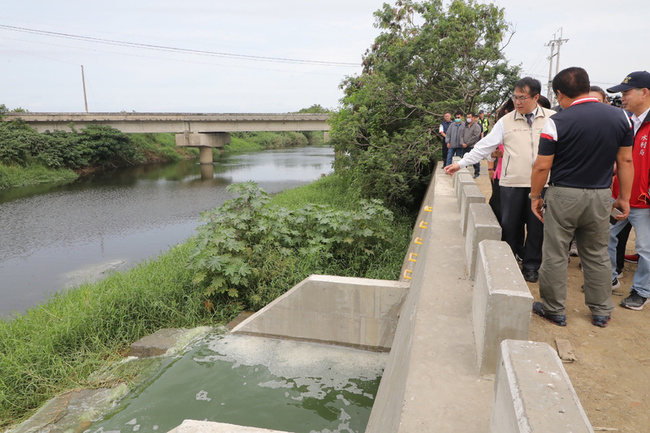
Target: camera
616	101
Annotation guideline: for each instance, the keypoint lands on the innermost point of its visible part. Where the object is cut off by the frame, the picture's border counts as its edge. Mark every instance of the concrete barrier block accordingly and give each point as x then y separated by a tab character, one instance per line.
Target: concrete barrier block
470	194
192	426
482	224
533	393
355	312
454	177
501	303
462	180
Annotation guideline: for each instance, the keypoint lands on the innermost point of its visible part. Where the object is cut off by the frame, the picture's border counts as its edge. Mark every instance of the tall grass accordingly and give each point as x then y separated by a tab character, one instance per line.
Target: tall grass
56	346
12	176
161	147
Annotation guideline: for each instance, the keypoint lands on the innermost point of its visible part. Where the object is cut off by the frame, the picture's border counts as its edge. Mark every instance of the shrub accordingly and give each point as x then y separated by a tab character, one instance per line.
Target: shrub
247	253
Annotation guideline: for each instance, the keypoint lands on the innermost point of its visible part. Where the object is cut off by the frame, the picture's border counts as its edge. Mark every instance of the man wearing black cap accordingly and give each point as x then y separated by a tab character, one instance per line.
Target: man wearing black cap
636	99
579	146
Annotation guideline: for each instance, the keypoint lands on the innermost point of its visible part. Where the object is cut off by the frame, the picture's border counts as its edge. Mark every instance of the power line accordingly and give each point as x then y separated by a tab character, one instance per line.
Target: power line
173	49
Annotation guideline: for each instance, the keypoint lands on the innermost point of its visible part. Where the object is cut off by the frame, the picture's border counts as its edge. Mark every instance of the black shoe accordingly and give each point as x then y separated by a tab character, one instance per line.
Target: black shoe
559	320
615	284
600	321
476	175
634	301
530	275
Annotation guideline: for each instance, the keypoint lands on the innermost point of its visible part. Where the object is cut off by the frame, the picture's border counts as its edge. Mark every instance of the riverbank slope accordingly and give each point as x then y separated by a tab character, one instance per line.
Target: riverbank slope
56	346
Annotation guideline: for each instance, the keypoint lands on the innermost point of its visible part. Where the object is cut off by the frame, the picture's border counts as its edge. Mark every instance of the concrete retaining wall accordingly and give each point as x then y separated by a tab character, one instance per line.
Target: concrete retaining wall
469	194
533	393
482	224
191	426
355	312
502	303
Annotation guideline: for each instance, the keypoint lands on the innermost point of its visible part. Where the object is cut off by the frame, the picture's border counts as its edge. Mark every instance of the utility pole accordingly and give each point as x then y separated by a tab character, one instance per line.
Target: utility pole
555	42
83	82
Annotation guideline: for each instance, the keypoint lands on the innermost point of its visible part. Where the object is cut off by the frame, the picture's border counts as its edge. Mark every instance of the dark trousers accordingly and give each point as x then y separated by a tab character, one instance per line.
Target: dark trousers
495	199
444	153
622	243
477	166
516	216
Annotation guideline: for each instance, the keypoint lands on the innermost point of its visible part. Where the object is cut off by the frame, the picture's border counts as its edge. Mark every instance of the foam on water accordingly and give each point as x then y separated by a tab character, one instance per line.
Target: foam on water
313	366
259	382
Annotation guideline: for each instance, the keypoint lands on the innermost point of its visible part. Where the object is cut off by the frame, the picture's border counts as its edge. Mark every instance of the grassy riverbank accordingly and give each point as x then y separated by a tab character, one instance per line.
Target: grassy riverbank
56	346
12	176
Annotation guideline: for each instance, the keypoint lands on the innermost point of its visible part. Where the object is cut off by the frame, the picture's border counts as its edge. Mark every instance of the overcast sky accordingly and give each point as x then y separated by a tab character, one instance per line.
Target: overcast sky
239	56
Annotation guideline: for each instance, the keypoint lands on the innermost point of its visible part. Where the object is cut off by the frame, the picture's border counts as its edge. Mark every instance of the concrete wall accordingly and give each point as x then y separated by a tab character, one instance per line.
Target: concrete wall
191	426
501	305
482	224
355	312
533	393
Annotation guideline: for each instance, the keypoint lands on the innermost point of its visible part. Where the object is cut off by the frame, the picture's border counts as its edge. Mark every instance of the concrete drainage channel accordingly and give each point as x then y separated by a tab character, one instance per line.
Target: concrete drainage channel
455	332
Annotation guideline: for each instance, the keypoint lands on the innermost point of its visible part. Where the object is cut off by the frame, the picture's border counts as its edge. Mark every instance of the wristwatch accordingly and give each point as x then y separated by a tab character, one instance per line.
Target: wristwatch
534	197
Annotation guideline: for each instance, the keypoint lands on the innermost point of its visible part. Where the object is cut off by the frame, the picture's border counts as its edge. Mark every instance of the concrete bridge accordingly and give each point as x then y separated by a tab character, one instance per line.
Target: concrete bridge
203	130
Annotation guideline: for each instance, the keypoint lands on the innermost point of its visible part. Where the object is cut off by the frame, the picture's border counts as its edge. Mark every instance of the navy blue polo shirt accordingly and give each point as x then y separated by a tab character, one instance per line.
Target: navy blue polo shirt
584	139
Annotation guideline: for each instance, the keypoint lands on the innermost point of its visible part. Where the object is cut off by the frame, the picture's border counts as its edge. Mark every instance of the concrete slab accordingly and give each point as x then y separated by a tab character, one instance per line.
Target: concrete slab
454	177
356	312
482	224
501	305
160	342
533	393
430	382
469	194
462	179
192	426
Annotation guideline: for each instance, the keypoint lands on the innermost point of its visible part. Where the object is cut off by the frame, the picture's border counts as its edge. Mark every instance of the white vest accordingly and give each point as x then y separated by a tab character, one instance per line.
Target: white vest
520	145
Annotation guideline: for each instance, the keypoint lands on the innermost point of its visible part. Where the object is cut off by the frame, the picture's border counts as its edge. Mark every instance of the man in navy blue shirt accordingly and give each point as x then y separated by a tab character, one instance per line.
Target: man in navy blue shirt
579	146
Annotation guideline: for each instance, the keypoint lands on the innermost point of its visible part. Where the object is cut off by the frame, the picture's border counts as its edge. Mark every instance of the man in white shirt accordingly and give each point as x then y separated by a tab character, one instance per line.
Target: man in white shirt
519	133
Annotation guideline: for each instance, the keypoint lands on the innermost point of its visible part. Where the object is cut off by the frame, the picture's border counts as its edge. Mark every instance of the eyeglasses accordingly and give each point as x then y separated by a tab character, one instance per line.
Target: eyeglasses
519	98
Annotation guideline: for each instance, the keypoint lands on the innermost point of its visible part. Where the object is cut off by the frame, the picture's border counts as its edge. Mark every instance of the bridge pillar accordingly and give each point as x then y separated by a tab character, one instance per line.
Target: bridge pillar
204	141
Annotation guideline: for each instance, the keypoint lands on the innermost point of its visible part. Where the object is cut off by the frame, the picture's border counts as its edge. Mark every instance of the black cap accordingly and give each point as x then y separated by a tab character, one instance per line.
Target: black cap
634	80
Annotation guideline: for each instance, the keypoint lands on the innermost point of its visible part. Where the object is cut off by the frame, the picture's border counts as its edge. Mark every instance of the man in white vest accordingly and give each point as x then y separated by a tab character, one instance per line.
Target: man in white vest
519	133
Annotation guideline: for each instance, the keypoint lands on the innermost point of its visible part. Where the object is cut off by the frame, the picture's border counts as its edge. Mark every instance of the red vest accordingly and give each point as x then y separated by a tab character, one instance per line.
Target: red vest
640	197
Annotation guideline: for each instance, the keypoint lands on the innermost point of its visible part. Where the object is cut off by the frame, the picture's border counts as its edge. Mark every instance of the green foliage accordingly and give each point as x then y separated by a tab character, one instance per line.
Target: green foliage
12	176
247	253
426	60
272	140
57	152
161	147
316	108
240	143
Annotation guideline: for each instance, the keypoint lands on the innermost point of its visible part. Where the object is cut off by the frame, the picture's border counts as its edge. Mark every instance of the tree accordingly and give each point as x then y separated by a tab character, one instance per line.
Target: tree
426	60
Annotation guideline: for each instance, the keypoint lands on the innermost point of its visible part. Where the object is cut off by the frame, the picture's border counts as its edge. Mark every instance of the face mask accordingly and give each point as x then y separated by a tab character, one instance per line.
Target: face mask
457	120
469	120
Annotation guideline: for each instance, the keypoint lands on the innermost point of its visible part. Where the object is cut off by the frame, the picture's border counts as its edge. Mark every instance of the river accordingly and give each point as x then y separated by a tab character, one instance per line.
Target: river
53	237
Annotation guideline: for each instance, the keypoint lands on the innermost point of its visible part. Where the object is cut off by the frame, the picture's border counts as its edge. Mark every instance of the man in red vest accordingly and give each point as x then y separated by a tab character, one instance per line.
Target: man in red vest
636	99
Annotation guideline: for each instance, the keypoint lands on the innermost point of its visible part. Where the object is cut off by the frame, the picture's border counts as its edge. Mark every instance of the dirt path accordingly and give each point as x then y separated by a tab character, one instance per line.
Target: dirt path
612	372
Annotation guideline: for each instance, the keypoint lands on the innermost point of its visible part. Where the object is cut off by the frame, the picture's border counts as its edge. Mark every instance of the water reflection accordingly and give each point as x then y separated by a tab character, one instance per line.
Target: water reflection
124	215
